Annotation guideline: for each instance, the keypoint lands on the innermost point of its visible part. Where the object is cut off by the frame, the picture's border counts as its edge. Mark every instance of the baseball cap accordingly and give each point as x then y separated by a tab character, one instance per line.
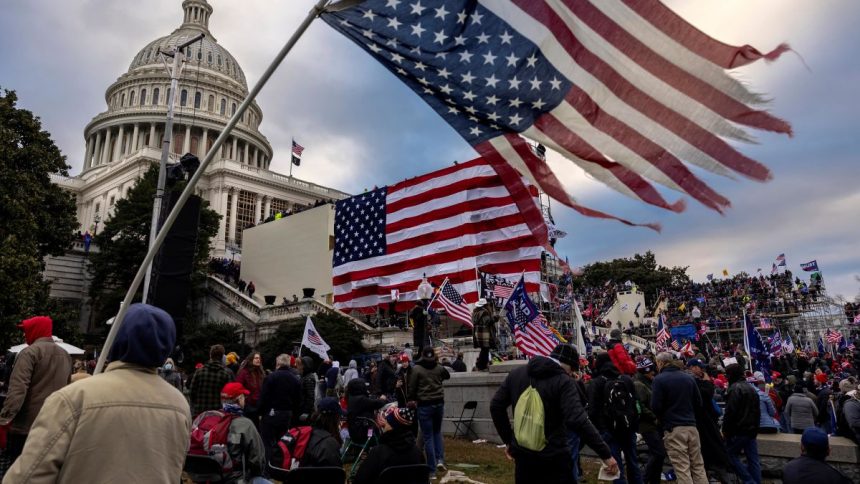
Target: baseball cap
696	362
815	438
329	405
404	358
480	302
233	390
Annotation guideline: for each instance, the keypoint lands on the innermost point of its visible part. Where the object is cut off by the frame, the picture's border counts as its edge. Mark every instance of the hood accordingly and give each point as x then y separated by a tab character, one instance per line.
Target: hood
541	367
356	386
37	327
429	364
604	366
146	337
353	364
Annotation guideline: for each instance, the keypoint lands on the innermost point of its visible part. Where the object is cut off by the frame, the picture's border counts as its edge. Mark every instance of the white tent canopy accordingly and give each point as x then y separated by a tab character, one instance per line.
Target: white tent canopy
72	350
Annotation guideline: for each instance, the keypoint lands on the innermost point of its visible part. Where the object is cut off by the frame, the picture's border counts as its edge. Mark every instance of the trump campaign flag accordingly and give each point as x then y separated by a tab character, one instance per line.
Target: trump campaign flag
811	266
445	224
628	91
529	327
313	341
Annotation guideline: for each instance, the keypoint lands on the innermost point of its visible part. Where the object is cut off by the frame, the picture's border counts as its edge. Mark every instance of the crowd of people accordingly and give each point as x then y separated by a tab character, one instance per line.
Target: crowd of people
297	208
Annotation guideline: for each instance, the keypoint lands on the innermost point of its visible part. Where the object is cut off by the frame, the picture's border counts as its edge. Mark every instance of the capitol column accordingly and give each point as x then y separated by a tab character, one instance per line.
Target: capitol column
234	155
203	145
152	142
256	157
134	135
234	206
186	145
267	209
247	158
97	151
106	154
221	208
257	207
117	152
88	157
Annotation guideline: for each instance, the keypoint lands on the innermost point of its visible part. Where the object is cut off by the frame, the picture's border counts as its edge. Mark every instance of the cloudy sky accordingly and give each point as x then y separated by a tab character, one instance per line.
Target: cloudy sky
361	127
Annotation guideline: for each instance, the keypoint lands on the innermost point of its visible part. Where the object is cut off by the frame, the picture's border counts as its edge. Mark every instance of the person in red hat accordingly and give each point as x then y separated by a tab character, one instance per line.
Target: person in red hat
41	368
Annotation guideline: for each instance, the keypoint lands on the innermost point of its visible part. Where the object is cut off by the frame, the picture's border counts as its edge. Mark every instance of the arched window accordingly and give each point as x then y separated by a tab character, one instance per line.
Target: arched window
234	109
200	54
197	98
183	98
143	97
155	94
211	103
209	58
131	99
223	106
122	101
219	61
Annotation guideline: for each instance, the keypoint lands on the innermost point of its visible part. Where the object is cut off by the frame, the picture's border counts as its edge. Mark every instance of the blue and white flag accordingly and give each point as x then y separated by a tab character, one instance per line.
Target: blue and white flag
532	335
811	266
756	348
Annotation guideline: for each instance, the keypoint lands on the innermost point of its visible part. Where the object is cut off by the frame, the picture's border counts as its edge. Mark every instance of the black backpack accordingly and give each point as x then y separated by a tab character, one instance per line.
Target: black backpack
842	427
620	407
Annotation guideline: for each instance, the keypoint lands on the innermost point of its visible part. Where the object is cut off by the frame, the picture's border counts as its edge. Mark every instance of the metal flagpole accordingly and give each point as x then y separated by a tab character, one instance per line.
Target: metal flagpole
315	12
178	57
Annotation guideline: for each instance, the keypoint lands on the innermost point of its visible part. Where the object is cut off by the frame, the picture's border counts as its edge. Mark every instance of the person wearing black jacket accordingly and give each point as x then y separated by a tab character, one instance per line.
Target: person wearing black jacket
459	365
360	406
309	386
740	425
621	441
396	445
280	398
387	375
707	423
323	449
563	412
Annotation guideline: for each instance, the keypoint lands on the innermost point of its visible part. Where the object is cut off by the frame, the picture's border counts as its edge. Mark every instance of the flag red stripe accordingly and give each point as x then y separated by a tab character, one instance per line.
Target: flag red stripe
435	174
683	81
719	53
472	183
454	232
437	258
651	152
402	306
567	139
449	211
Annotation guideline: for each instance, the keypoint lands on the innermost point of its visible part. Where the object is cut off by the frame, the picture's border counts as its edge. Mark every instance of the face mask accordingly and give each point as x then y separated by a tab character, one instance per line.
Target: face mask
168	367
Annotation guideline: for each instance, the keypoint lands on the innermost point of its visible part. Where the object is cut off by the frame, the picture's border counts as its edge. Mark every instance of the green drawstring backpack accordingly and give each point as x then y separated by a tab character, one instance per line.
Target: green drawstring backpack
529	420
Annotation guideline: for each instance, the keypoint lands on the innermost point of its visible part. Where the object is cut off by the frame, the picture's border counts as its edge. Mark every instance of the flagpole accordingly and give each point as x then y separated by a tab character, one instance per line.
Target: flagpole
315	12
291	156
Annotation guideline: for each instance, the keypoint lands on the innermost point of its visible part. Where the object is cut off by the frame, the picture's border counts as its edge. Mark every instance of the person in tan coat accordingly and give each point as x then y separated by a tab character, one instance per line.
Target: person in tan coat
124	425
40	369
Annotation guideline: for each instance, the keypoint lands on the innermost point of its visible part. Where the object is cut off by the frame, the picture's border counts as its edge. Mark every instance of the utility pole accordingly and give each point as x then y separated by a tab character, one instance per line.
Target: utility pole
175	74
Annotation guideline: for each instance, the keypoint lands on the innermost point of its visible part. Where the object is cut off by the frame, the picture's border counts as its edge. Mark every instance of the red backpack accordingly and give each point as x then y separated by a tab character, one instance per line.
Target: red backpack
209	437
290	449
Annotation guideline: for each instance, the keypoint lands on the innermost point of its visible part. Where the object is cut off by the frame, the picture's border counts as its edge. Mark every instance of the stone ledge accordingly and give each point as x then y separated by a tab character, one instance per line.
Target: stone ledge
788	446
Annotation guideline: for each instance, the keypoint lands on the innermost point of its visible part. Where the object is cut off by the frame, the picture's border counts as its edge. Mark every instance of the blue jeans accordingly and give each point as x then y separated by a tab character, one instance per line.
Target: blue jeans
751	472
627	446
573	442
430	421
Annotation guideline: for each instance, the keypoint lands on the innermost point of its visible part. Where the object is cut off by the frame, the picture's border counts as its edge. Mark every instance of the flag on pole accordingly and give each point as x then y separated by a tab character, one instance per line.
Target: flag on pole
820	346
756	348
710	277
776	344
313	341
662	333
442	224
833	336
780	260
773	269
687	349
454	304
675	345
531	334
624	90
811	266
297	153
788	344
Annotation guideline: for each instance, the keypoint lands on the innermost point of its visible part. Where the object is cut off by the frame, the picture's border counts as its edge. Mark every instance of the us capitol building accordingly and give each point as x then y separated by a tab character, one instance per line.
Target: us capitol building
124	141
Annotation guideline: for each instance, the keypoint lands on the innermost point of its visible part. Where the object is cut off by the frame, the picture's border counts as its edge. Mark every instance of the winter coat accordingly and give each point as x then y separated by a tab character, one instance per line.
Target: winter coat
459	365
350	373
322	450
767	410
75	430
807	470
425	382
206	385
359	405
484	328
253	382
245	444
675	397
597	408
170	376
800	411
396	448
647	419
851	408
387	377
281	392
309	390
563	410
742	413
40	369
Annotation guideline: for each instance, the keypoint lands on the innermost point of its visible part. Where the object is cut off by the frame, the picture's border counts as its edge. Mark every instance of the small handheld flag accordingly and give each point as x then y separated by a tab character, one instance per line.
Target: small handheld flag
313	341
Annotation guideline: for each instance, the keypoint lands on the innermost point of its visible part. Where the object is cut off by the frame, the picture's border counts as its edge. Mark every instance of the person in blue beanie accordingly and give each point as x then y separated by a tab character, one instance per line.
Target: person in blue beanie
124	425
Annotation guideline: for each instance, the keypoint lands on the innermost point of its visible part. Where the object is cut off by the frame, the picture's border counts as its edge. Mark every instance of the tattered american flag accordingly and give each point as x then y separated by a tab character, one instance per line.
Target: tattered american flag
443	224
625	89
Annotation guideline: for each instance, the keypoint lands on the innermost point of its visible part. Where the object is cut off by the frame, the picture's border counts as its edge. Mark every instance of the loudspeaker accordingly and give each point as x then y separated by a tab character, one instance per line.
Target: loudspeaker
171	277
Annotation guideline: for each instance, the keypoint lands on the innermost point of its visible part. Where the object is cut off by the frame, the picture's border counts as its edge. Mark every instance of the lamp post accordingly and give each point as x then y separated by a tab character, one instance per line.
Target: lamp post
96	219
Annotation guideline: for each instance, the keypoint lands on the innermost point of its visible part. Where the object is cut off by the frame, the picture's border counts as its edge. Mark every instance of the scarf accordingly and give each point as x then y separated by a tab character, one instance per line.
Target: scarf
232	409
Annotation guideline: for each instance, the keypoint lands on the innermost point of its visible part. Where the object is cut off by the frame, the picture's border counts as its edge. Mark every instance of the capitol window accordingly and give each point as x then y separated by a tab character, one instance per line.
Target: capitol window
234	109
122	101
155	93
211	103
209	58
131	99
197	97
219	61
183	98
223	106
142	97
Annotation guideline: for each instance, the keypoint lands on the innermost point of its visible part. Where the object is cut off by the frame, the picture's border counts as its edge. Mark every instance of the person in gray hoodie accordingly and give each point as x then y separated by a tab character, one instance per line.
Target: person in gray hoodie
800	410
350	373
425	387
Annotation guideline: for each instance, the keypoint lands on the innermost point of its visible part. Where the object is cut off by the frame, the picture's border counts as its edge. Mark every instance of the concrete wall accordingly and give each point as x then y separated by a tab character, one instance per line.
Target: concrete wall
624	309
775	450
286	255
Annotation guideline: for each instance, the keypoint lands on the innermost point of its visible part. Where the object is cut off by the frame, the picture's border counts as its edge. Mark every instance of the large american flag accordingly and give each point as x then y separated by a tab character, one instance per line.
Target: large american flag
454	304
443	224
532	334
625	89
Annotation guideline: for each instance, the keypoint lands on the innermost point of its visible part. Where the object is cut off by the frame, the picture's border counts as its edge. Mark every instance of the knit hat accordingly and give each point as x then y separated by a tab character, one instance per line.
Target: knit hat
232	390
566	354
696	362
329	405
395	416
615	334
146	337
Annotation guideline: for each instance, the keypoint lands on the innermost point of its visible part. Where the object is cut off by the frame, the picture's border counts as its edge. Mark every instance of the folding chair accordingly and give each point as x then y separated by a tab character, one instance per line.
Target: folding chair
466	423
203	469
309	475
408	474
